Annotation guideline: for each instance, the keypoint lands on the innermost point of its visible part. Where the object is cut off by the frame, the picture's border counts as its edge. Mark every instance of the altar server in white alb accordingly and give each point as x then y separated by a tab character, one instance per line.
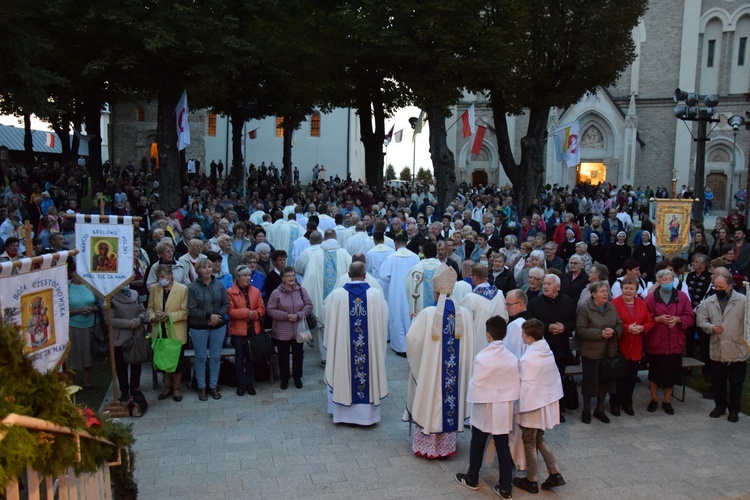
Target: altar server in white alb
393	273
376	256
483	302
356	319
493	391
538	406
439	348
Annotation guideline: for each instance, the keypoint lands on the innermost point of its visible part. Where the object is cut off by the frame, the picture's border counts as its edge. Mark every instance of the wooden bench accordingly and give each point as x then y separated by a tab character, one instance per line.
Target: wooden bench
687	365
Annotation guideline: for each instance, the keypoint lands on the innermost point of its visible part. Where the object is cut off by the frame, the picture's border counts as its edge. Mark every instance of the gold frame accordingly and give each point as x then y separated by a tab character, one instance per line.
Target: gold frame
667	241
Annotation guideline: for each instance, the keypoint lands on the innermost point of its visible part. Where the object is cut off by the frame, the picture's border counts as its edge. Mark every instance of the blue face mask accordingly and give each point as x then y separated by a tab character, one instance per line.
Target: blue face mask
667	287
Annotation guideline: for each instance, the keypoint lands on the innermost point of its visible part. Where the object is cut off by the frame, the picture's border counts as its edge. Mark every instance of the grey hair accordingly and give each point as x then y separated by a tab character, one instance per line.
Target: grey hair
510	239
582	244
555	278
262	247
538	254
577	258
598	285
703	258
538	272
664	272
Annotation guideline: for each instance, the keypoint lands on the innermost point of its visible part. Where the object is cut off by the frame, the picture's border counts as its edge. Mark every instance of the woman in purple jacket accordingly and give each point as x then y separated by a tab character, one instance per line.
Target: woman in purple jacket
288	305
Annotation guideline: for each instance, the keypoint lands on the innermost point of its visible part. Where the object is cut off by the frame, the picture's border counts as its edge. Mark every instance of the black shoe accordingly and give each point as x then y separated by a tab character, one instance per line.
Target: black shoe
251	389
503	493
586	417
708	394
601	416
553	481
668	408
562	418
717	412
284	384
615	410
298	383
202	394
214	393
177	397
652	406
240	390
733	417
525	484
628	409
463	480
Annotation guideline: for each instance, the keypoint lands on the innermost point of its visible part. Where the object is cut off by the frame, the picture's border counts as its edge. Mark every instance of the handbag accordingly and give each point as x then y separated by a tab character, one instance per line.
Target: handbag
613	368
137	404
261	346
570	393
166	349
312	321
303	332
138	349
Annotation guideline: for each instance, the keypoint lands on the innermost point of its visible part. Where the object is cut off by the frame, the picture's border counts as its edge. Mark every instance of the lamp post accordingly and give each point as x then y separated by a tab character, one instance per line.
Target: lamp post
686	110
413	122
735	121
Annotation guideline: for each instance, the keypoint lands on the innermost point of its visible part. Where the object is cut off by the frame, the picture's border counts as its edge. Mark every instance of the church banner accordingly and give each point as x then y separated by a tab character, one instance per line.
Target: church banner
672	231
36	304
105	258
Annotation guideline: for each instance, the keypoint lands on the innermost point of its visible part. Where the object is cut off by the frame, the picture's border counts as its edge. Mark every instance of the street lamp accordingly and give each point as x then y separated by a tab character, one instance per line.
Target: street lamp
686	110
735	121
413	122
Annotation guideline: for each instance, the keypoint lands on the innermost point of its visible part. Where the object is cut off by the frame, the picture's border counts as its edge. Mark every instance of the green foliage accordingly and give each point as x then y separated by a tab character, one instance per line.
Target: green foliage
405	174
25	391
424	175
390	172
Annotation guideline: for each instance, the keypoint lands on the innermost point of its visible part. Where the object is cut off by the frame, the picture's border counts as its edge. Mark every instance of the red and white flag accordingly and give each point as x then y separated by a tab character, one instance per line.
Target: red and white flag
476	147
183	128
253	134
468	120
50	140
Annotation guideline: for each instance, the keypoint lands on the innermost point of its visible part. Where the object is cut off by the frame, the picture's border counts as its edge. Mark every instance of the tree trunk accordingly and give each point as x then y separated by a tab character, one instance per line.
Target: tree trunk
289	126
61	126
443	160
77	124
170	184
370	106
528	175
238	124
28	142
92	114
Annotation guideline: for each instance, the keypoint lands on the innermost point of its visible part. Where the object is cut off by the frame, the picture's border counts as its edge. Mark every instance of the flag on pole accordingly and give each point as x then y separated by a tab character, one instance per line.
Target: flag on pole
389	136
567	148
418	127
399	135
81	137
469	122
476	147
183	128
253	134
50	140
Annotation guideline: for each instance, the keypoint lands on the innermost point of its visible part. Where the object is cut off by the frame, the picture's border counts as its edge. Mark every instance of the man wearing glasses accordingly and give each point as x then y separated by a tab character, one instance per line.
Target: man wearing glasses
515	307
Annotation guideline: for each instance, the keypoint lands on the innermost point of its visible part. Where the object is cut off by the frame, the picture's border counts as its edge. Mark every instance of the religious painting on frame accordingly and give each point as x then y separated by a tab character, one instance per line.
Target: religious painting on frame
673	225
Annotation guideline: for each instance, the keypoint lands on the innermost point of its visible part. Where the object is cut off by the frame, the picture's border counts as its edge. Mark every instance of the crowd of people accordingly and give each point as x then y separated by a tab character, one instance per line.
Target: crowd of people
466	292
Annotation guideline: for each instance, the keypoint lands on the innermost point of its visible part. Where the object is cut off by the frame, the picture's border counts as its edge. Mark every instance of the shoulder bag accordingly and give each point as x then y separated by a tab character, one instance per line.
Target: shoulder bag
312	320
613	368
260	346
138	349
166	349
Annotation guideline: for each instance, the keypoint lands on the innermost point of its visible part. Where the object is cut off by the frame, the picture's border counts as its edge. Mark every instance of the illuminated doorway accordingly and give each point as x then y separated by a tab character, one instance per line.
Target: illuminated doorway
154	154
593	173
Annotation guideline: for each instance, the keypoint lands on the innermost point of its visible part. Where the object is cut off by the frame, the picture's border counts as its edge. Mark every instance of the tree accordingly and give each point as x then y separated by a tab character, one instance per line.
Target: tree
405	174
424	175
536	54
390	172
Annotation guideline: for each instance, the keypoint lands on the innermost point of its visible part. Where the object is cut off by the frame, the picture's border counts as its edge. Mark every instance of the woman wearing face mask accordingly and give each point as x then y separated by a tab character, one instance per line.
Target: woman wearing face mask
673	316
168	300
645	254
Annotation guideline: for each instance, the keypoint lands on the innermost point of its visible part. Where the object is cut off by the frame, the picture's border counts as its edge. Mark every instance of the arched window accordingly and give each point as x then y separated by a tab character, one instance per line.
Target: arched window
711	57
141	114
315	125
211	124
740	79
280	126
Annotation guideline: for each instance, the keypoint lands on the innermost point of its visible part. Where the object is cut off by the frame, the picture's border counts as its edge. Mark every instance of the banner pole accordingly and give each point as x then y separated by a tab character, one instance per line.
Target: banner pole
115	408
28	242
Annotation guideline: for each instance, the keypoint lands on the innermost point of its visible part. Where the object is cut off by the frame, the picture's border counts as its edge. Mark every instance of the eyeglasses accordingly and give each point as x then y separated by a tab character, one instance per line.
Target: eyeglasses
534	278
511	304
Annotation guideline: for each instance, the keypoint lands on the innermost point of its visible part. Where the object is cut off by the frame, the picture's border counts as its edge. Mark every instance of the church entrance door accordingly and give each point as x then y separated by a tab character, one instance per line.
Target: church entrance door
718	184
479	177
593	173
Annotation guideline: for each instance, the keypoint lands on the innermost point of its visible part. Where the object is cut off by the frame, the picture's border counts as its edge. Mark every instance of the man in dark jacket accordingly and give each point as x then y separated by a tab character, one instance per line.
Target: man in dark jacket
500	276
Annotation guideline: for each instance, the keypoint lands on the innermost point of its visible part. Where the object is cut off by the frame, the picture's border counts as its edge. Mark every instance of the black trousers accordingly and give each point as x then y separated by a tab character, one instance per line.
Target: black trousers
625	387
734	373
124	382
295	348
561	364
243	367
476	453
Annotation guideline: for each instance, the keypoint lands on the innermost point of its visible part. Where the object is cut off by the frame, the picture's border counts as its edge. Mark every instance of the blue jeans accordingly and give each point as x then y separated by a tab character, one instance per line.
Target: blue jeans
476	453
207	342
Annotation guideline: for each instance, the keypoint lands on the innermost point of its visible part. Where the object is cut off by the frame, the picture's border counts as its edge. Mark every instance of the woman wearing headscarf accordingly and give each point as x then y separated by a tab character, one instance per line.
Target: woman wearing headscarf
597	250
568	247
645	254
617	254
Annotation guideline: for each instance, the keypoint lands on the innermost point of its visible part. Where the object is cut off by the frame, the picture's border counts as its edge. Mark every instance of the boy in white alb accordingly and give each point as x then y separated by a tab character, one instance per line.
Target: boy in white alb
538	409
493	391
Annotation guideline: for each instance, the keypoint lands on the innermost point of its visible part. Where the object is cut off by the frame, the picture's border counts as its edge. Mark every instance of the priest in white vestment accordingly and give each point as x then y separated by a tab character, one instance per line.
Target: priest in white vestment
483	302
257	216
393	274
359	242
375	256
370	280
461	290
325	221
356	318
493	390
351	229
278	235
439	348
418	283
323	266
538	406
286	240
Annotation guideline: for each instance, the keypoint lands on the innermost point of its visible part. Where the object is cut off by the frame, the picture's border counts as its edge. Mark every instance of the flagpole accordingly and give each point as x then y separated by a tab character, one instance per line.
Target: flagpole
459	119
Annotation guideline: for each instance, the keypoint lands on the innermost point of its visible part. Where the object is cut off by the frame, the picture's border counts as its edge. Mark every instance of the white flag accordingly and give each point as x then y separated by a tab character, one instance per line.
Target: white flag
183	128
566	142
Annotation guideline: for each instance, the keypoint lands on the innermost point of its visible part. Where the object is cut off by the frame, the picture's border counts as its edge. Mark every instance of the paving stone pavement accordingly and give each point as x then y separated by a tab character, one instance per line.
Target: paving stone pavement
282	444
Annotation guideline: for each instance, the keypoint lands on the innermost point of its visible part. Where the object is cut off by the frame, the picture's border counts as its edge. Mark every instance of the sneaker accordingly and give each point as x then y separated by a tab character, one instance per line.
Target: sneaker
463	480
525	484
503	493
553	481
214	393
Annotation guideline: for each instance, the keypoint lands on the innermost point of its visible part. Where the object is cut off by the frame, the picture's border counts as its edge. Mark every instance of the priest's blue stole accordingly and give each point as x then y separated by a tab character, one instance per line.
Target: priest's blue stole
450	354
428	289
488	292
329	272
293	235
359	342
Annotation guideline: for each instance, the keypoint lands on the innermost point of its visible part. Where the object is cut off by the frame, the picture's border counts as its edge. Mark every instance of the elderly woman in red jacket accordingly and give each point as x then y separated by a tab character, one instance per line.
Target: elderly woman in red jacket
636	323
673	315
246	309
